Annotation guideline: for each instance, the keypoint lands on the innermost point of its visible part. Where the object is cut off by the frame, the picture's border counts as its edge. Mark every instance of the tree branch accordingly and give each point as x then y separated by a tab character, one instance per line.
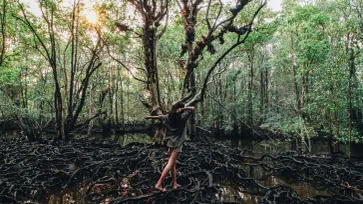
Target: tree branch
199	97
89	119
166	24
27	23
207	15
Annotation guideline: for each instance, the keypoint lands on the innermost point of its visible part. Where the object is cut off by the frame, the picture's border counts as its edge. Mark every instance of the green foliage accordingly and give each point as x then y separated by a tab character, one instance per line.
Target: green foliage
313	39
289	126
9	76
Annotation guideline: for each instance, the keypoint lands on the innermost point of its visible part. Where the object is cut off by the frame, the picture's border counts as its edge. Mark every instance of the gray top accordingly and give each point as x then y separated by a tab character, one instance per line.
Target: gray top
175	135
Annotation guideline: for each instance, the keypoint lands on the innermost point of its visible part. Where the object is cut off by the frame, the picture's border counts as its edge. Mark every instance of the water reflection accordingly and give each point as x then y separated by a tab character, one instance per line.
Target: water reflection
130	138
121	139
76	194
73	195
229	192
279	146
8	134
303	190
232	192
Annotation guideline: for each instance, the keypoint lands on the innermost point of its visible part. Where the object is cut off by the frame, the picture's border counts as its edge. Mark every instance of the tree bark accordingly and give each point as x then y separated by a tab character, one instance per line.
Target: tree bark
250	86
3	31
293	67
150	54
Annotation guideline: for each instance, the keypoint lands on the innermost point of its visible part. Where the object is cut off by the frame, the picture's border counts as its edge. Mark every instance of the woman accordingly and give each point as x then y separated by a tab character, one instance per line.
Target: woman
175	122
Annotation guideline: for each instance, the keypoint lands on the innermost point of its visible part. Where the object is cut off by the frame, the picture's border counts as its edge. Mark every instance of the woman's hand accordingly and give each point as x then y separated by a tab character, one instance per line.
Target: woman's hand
189	108
185	108
151	117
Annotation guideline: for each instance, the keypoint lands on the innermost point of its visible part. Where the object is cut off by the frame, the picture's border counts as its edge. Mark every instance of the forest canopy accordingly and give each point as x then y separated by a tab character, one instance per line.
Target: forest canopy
67	65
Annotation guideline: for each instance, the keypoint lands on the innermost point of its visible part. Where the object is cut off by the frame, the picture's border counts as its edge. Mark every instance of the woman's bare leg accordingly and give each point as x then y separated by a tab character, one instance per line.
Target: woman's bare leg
170	166
175	184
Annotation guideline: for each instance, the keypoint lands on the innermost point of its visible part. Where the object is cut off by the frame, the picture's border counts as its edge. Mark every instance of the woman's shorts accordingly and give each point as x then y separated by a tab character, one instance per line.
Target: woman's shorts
177	149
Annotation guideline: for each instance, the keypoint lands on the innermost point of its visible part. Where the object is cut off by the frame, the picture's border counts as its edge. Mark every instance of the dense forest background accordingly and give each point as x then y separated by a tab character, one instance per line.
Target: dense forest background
106	64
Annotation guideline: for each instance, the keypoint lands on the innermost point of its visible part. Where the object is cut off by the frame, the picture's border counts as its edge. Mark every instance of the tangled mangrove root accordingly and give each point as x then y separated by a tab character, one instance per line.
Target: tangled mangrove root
114	174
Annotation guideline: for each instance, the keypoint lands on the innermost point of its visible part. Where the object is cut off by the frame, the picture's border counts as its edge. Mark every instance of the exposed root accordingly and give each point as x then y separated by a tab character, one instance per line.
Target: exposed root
32	171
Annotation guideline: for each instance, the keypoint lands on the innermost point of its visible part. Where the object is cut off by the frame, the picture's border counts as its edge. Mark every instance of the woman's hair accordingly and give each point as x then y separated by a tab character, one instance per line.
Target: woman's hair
176	106
173	115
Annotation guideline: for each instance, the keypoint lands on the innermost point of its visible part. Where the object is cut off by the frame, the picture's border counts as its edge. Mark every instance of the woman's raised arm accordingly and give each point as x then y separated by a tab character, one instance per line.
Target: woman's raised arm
151	117
189	108
185	108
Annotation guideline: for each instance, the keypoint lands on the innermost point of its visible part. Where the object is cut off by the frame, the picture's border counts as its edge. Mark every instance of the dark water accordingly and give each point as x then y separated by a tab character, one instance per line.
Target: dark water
229	191
278	146
129	138
77	195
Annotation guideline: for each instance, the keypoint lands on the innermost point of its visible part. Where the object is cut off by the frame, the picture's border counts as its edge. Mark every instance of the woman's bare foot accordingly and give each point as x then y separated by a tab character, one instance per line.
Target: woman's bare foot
176	186
158	187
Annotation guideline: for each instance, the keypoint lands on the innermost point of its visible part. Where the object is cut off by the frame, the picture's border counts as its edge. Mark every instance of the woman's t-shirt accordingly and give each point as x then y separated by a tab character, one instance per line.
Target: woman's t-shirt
175	134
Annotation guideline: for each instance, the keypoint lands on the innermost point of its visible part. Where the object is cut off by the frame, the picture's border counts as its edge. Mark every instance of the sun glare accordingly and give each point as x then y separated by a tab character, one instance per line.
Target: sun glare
91	16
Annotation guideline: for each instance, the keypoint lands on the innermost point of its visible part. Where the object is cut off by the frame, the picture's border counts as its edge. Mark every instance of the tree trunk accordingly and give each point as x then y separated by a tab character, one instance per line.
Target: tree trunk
116	98
262	95
266	85
250	87
110	109
150	54
3	31
351	66
350	110
263	89
91	112
302	99
122	102
293	67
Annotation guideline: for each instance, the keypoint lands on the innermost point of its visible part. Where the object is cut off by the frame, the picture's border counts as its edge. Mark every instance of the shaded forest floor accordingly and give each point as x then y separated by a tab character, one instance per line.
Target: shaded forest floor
108	173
